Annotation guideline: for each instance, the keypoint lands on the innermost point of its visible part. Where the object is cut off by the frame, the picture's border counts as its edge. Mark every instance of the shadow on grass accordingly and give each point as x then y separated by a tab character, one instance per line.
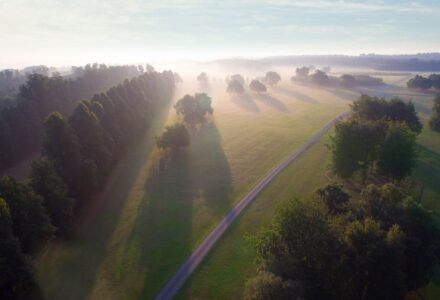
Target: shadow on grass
427	169
245	102
295	94
271	101
348	95
193	178
68	270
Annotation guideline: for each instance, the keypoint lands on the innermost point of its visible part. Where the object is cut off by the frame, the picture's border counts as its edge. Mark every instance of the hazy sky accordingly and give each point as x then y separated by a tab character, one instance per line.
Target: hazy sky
62	32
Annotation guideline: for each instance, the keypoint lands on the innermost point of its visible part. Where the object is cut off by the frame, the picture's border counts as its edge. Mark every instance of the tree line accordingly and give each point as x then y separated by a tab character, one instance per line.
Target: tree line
21	121
424	83
78	154
380	244
321	78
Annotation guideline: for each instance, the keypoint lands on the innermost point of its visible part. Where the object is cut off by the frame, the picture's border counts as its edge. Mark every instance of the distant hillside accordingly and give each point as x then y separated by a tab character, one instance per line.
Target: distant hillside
422	62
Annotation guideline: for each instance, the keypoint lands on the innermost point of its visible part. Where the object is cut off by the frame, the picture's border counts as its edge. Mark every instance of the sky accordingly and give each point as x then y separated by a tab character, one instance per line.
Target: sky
79	31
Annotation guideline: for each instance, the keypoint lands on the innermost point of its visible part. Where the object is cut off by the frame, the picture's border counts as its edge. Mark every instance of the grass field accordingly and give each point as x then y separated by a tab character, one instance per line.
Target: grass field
150	217
153	214
223	273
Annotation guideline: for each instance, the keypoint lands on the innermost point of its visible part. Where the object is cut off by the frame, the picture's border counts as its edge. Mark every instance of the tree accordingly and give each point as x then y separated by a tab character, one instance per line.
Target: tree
30	223
235	87
194	108
397	155
177	78
267	286
302	73
272	78
335	199
320	78
202	78
355	147
16	276
46	182
380	246
435	79
348	81
237	77
419	82
368	108
257	86
174	137
434	121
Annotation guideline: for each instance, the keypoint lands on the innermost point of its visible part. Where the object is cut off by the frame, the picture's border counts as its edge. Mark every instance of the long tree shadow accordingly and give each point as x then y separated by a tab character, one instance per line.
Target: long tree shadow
427	168
194	181
295	94
348	95
245	102
69	270
272	102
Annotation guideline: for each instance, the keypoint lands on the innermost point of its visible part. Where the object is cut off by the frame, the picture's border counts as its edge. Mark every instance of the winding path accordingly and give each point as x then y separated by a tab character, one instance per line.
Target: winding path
178	279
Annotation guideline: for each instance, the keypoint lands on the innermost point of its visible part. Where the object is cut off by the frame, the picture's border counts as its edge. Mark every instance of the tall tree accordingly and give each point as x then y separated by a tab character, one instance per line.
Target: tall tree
30	223
46	182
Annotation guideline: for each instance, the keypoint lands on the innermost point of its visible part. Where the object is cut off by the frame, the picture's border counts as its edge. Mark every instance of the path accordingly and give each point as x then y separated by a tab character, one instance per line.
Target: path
178	279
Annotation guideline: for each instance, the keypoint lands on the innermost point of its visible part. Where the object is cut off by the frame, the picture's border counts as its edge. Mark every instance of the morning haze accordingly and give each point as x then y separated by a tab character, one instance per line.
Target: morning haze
219	150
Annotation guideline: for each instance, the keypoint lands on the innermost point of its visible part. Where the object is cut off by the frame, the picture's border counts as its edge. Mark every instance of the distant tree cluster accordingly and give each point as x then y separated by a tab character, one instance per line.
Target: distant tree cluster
321	78
77	156
424	83
21	122
380	136
381	245
235	86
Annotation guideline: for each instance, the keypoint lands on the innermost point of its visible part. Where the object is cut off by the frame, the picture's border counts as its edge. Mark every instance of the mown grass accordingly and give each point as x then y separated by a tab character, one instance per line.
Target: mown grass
224	272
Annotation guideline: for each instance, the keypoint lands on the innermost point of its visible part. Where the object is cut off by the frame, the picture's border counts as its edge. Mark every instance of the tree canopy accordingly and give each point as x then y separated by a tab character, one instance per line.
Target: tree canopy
174	137
237	77
319	78
257	86
194	109
235	87
272	78
202	78
379	247
434	121
419	82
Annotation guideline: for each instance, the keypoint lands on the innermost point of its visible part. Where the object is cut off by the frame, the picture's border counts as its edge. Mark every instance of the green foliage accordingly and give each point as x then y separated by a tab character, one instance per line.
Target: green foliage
379	247
194	108
272	78
434	121
419	82
368	108
46	182
238	77
257	86
235	86
21	125
355	147
334	198
397	155
30	223
16	276
267	286
320	78
174	137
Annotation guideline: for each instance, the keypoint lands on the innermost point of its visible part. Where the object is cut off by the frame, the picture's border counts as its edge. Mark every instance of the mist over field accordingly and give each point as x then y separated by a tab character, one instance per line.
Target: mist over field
220	149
